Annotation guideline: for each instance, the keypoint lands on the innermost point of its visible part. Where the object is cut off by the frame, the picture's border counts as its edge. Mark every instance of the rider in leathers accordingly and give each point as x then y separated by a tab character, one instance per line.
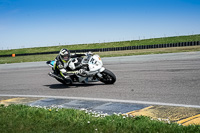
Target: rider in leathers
65	62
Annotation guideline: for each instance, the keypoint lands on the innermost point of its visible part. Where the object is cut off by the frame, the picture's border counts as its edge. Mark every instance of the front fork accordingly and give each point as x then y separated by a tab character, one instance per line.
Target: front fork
100	71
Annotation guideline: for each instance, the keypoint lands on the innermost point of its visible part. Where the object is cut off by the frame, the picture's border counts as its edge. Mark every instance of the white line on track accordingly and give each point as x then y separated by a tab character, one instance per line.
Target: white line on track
103	99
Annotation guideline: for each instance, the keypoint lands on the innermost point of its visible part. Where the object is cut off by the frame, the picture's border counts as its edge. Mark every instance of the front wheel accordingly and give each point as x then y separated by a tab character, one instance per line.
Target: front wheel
108	77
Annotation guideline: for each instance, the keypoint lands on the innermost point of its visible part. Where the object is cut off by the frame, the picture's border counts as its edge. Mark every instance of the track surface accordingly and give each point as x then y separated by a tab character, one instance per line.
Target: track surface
165	78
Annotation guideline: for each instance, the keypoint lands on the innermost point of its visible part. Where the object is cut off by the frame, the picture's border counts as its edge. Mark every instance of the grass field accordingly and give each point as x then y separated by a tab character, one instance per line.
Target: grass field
33	58
21	118
164	40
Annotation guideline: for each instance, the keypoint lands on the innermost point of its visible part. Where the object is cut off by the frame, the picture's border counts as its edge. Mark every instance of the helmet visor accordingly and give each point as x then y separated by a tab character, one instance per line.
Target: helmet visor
66	57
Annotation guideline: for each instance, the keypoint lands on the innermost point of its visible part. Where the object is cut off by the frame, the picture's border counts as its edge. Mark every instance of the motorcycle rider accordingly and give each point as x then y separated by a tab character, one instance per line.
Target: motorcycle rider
66	62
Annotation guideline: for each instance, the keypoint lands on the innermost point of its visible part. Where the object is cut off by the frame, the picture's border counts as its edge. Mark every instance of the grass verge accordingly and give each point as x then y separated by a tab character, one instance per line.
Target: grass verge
152	41
34	58
22	118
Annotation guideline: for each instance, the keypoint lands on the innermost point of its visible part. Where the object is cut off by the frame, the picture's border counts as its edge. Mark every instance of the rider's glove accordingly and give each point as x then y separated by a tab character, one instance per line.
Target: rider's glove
89	53
80	72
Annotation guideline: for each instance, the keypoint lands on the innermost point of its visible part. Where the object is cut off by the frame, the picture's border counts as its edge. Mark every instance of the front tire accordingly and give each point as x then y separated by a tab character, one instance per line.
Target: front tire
108	77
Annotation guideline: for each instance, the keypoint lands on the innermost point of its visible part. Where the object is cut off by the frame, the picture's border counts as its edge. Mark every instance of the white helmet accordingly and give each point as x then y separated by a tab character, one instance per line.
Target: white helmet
64	54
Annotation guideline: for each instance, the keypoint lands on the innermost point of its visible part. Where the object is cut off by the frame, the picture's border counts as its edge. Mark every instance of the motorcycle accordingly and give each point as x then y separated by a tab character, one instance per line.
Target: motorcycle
93	72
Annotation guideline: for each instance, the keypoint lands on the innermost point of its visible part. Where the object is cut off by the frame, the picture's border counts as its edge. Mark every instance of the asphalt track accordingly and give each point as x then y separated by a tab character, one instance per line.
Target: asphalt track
163	78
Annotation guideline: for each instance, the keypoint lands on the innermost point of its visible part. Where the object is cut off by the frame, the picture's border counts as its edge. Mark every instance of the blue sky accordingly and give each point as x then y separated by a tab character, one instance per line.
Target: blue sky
36	23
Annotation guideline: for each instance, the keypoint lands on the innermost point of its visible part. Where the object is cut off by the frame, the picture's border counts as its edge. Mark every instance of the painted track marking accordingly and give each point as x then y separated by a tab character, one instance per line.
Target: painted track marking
191	120
106	100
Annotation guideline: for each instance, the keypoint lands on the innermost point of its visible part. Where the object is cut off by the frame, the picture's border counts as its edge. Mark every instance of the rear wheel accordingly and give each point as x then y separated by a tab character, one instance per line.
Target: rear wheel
108	77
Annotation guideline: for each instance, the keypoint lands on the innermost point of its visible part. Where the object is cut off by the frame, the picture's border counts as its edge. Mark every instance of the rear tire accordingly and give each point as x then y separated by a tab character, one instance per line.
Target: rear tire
108	77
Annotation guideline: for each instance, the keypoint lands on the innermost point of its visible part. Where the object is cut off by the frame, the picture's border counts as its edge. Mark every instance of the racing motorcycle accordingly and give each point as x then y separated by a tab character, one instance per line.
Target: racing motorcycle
93	72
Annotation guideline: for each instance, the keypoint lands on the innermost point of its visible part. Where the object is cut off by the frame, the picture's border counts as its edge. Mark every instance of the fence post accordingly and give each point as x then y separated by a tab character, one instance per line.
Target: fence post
195	43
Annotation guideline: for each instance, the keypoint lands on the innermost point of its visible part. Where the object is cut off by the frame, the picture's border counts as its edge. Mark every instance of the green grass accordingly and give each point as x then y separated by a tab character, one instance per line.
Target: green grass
29	58
165	40
149	51
34	58
21	118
